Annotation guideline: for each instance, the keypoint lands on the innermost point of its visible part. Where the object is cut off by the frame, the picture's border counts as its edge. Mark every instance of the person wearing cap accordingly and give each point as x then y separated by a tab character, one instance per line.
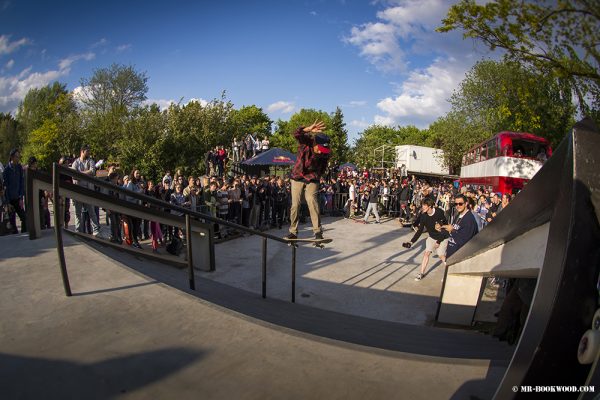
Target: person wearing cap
86	165
311	162
14	189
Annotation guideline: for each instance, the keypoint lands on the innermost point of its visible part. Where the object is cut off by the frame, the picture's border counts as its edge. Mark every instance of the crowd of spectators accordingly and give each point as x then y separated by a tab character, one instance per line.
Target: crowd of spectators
263	203
255	202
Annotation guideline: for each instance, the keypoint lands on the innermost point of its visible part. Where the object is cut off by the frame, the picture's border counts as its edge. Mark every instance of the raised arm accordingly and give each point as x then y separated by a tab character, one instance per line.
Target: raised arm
304	134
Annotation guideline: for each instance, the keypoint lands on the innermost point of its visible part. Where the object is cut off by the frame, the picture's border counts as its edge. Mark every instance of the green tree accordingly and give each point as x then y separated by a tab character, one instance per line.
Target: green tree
108	97
339	138
250	119
282	138
502	96
284	131
455	134
9	135
58	135
561	37
35	107
118	88
196	128
368	149
146	143
63	112
496	96
43	144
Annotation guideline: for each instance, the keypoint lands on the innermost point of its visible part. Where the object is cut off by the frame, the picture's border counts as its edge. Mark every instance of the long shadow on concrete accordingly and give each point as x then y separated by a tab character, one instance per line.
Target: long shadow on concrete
410	339
39	378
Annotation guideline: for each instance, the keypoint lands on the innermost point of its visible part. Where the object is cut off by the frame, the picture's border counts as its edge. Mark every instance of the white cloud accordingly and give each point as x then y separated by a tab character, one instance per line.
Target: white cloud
281	106
7	47
13	88
357	103
164	104
123	47
385	121
423	96
100	43
413	17
202	102
65	63
313	13
379	44
79	93
9	64
360	124
401	30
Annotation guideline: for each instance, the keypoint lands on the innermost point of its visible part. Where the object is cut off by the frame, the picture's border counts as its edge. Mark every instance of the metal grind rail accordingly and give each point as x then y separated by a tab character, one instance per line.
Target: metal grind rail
37	180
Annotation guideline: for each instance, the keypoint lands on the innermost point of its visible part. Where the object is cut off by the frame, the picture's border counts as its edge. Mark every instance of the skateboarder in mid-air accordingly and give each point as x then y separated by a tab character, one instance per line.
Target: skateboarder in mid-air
311	162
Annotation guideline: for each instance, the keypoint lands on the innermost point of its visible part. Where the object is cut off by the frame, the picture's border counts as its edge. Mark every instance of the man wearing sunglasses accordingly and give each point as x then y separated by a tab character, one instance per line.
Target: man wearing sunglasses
463	226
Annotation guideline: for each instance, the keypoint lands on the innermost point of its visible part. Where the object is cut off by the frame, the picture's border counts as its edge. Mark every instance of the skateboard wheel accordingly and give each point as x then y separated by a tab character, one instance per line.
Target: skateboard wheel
596	321
589	345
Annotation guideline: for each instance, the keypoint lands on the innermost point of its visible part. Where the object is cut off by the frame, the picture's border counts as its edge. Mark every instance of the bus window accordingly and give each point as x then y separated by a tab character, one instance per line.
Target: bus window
526	148
541	154
477	154
483	155
492	149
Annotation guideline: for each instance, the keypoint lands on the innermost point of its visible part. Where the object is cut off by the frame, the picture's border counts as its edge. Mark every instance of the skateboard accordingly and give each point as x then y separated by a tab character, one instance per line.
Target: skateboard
316	242
127	231
589	345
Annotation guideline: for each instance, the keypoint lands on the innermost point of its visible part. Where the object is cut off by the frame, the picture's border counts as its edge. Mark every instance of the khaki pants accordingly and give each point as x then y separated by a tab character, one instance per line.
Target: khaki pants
310	193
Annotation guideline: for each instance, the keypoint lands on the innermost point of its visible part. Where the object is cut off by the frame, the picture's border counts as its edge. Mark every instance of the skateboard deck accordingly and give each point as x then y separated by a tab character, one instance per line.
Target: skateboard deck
127	231
315	242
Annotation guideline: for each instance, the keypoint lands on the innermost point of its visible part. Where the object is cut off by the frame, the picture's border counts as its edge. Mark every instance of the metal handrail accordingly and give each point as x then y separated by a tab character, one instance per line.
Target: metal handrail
152	200
58	183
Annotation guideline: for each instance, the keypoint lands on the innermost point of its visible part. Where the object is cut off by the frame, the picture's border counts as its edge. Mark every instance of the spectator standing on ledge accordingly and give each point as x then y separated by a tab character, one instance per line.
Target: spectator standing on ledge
311	163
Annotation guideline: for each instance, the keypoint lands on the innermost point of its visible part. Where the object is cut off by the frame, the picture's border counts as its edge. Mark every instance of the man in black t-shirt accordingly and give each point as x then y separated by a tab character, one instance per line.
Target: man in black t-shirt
431	219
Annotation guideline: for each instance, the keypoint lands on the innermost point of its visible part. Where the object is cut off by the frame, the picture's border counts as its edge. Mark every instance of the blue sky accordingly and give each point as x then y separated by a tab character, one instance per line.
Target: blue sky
380	61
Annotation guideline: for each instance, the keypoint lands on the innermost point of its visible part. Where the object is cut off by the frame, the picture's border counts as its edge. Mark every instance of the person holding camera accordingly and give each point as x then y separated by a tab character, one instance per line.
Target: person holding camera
431	220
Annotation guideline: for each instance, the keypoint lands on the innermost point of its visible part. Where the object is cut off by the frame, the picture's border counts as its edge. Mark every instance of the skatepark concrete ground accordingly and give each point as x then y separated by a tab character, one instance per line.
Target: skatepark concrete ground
133	330
365	271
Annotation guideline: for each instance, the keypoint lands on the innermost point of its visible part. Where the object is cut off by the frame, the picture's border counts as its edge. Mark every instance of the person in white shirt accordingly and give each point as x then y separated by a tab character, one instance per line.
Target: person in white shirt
265	144
352	198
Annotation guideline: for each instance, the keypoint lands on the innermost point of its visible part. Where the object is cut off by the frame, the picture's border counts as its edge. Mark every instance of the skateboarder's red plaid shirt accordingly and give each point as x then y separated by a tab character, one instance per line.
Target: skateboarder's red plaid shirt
309	166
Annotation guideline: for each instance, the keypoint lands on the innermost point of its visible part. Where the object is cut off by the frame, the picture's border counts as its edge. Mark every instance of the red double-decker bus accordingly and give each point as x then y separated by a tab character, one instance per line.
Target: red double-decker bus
505	162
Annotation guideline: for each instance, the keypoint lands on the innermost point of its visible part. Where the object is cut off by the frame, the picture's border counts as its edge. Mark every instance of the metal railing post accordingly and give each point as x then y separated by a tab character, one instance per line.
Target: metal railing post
58	229
293	274
264	268
188	239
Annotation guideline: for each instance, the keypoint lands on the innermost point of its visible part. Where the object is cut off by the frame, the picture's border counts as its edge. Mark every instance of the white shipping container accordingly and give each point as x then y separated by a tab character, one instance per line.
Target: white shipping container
420	160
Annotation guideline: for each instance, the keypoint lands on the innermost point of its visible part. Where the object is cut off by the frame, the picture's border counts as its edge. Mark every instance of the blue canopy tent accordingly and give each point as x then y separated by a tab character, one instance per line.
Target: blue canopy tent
274	157
349	165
